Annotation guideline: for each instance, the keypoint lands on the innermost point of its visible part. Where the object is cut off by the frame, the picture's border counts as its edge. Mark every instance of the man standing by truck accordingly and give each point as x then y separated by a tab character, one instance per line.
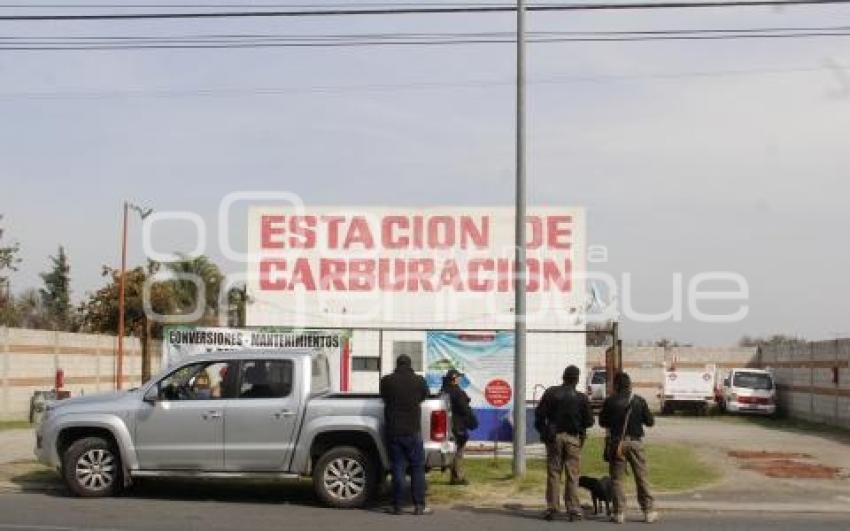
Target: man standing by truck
562	419
403	392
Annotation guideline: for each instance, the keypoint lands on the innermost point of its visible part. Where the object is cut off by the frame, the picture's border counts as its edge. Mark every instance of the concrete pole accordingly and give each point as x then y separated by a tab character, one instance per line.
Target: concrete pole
519	244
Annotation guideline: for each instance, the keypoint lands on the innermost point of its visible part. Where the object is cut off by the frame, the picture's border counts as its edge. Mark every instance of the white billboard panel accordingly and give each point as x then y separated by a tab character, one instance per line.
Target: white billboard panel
438	267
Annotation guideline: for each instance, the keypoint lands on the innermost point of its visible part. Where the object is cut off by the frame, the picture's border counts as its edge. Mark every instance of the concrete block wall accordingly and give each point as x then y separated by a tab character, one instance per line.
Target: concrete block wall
29	360
813	379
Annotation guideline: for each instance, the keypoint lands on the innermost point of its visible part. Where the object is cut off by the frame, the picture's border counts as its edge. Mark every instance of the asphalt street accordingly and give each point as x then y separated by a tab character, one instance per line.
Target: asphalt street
57	512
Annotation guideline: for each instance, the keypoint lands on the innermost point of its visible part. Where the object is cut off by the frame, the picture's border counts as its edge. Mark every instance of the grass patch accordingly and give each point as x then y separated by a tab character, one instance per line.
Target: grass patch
789	424
671	468
14	425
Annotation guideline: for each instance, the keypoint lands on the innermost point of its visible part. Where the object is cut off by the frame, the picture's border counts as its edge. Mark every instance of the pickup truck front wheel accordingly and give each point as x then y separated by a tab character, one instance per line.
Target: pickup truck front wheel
345	477
92	468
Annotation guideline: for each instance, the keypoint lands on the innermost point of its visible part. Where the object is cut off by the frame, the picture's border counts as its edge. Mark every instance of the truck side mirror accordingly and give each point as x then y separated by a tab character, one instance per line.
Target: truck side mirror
152	396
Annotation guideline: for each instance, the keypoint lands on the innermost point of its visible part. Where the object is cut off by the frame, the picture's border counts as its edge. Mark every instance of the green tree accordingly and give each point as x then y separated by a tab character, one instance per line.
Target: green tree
8	263
31	311
56	294
186	291
8	258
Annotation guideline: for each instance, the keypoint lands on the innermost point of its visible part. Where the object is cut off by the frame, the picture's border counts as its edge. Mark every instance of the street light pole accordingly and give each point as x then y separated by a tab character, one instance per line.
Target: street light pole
119	366
519	244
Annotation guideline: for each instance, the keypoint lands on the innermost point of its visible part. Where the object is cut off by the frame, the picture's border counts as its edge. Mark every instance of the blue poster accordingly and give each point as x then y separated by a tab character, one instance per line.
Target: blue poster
486	360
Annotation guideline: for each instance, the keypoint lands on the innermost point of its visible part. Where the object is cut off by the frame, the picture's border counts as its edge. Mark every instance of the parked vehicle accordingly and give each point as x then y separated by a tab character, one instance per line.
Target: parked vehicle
233	415
748	391
688	389
596	386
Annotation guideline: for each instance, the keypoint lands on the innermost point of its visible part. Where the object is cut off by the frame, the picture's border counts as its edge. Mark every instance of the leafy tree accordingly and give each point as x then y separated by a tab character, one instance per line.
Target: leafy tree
31	310
186	291
167	297
8	258
8	263
56	294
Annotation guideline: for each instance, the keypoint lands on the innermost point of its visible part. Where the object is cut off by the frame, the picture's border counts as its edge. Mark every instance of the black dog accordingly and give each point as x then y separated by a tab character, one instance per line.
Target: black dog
601	490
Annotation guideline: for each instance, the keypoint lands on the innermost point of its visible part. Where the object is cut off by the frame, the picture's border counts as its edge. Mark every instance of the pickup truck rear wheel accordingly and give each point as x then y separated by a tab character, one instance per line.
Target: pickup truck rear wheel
92	468
345	477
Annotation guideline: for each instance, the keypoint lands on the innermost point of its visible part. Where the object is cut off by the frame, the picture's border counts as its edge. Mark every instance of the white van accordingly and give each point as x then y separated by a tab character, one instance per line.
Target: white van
687	389
749	391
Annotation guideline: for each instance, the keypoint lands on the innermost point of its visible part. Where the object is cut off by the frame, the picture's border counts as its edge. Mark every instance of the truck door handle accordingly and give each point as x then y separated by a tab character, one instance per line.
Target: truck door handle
283	413
211	415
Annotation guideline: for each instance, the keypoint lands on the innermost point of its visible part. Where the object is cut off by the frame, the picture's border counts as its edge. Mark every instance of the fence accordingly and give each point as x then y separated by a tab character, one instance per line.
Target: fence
812	379
29	360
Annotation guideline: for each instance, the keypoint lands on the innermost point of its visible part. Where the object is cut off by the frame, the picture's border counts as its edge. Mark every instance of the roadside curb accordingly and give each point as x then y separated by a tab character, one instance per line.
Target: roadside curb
754	507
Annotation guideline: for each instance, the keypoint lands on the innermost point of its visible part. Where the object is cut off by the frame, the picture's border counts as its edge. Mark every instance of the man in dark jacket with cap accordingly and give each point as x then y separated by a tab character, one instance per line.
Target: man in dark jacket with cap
403	392
562	418
625	414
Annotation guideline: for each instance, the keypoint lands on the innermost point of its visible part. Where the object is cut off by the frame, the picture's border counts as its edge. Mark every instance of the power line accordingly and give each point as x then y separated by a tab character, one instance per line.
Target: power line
556	79
166	44
414	35
324	12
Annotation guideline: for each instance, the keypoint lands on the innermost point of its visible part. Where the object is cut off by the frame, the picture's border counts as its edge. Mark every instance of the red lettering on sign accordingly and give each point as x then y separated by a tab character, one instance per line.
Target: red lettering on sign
390	238
269	279
359	233
475	267
558	232
332	274
361	274
302	275
269	229
303	232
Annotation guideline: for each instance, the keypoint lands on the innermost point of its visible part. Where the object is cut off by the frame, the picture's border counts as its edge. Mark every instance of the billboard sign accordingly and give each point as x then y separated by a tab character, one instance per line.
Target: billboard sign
449	267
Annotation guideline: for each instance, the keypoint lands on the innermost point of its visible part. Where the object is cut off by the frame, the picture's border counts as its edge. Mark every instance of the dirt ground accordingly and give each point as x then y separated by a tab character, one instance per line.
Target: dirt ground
16	445
759	462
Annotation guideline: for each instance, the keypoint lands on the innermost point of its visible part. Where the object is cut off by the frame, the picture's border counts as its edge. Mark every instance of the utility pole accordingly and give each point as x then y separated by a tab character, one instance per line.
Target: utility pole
519	244
119	365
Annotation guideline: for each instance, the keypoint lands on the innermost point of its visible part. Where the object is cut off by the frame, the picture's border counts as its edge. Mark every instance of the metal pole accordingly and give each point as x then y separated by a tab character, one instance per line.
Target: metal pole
119	368
519	244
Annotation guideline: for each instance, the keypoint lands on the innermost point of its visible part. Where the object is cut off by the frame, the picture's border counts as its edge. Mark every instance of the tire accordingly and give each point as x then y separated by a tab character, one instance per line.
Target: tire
666	409
92	468
345	477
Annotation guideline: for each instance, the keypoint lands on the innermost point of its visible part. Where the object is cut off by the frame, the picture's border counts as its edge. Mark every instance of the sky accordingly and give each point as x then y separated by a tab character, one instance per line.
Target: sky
689	156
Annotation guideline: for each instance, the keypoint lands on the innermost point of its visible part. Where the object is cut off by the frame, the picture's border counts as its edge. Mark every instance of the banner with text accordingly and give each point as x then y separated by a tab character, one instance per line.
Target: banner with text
181	342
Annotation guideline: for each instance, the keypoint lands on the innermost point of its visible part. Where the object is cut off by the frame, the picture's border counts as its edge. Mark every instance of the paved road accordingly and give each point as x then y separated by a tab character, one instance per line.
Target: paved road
44	512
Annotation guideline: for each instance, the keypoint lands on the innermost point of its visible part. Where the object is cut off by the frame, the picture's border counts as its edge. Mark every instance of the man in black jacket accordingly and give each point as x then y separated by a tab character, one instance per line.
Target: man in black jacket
403	392
562	418
463	420
625	414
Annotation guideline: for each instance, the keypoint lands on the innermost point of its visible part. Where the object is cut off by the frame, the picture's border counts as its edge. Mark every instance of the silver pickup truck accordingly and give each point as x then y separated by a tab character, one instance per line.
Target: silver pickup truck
242	414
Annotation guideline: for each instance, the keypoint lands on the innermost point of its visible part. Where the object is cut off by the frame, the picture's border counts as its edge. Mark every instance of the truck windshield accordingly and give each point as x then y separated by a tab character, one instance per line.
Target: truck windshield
598	378
753	380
